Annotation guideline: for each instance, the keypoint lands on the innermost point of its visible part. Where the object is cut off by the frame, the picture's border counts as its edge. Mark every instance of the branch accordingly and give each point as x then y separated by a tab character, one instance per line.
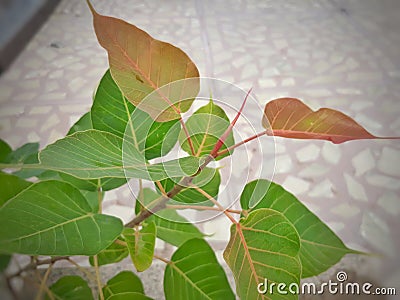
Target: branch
89	275
162	259
43	283
242	143
161	202
34	264
98	279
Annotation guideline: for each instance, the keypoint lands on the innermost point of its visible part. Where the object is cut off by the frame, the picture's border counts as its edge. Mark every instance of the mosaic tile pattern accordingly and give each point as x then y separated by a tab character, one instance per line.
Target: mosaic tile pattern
330	53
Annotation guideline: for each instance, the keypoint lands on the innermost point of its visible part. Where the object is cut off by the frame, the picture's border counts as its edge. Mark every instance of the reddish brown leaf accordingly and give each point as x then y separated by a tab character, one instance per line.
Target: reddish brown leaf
141	65
291	118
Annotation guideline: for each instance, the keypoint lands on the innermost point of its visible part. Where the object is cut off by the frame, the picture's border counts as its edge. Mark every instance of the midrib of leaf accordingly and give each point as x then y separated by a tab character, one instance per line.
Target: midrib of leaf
325	134
130	123
89	215
137	236
247	255
44	167
172	264
205	133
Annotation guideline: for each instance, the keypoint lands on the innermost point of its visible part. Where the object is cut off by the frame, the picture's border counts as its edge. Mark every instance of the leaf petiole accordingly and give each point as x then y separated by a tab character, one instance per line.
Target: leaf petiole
223	137
242	143
209	197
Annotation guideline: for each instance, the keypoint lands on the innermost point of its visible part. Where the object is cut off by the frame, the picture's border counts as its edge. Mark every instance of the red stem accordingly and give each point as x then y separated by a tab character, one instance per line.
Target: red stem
223	137
242	142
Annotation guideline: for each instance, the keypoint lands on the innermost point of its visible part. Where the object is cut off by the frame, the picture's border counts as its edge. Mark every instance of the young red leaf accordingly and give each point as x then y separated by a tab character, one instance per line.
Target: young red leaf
291	118
141	65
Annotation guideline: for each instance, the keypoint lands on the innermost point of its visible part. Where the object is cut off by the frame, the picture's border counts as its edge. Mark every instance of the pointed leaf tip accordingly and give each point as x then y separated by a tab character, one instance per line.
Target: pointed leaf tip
91	7
291	118
157	75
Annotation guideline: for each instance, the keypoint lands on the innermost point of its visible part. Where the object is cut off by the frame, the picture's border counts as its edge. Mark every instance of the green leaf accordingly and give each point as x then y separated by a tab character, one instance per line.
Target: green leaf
10	186
141	245
53	218
92	199
4	261
112	254
174	232
205	127
106	184
93	185
171	226
124	285
5	150
23	153
161	137
111	112
208	180
194	273
84	123
143	66
320	248
26	154
153	138
264	245
96	154
71	288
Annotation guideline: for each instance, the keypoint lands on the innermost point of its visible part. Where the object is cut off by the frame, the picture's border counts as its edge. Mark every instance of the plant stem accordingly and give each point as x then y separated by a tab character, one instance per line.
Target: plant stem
161	188
119	242
162	259
224	136
161	202
98	279
242	142
234	211
43	282
186	131
99	196
211	198
34	264
89	275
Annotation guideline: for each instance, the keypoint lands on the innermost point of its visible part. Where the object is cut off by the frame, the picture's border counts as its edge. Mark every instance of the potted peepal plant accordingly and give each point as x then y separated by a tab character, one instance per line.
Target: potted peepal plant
57	213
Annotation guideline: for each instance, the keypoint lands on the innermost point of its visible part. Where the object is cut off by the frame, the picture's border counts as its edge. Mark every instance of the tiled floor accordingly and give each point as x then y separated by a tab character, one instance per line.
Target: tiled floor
330	53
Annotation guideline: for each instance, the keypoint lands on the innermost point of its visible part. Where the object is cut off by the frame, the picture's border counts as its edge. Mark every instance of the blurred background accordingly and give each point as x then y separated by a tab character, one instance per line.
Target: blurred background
342	54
